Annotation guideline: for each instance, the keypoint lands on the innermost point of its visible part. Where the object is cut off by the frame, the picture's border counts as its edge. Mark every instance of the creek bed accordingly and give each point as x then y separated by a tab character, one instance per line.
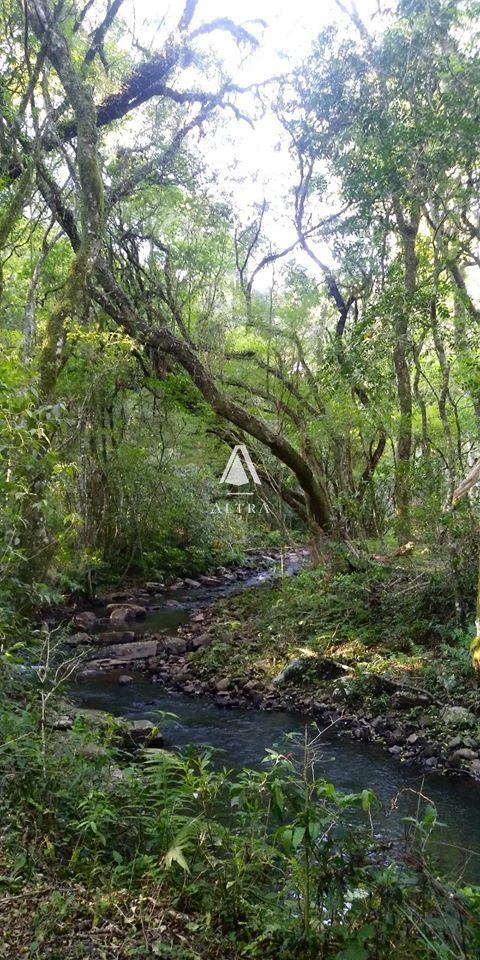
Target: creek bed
243	736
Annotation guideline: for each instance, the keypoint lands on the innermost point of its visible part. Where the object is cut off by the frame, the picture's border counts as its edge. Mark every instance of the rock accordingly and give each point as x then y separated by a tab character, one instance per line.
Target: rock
194	584
175	645
177	585
224	684
97	719
126	611
222	698
431	762
474	768
143	732
115	775
198	618
463	754
62	723
405	699
78	640
433	749
323	667
454	743
154	664
395	738
453	716
91	751
202	640
115	636
413	739
124	652
86	618
152	586
172	604
124	680
395	750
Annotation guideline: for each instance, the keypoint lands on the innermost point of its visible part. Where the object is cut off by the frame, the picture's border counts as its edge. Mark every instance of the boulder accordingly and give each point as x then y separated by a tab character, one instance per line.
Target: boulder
115	636
474	768
152	586
119	613
224	684
201	640
194	584
91	751
124	652
407	699
463	754
323	667
175	645
78	639
124	680
172	604
85	619
155	664
198	618
62	723
97	719
456	716
143	732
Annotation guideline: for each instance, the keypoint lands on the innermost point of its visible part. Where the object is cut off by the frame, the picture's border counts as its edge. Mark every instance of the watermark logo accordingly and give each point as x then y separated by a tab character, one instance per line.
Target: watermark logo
240	471
239	466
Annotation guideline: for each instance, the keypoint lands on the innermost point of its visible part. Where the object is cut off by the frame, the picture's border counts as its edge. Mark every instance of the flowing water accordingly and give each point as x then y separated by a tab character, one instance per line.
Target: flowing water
242	738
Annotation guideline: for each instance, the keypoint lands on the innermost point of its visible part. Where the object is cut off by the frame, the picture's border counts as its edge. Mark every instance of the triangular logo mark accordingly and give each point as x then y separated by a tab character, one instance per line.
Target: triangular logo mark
239	465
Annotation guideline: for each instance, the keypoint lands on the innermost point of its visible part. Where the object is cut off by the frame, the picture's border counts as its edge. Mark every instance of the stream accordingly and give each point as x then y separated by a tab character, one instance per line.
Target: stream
242	738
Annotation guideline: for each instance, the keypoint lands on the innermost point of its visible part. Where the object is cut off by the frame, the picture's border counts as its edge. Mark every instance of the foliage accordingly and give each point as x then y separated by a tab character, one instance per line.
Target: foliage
268	863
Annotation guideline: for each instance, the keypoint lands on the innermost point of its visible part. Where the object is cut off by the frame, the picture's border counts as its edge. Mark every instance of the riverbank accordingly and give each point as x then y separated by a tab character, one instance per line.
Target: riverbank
110	850
342	652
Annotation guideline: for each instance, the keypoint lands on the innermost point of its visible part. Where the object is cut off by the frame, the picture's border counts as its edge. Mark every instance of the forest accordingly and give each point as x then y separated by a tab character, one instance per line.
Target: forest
239	503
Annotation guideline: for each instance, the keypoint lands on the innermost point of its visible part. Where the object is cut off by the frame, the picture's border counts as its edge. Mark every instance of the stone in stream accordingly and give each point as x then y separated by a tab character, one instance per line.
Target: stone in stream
152	586
224	684
78	639
115	636
124	680
124	652
126	611
194	584
175	645
172	604
143	732
85	619
198	618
